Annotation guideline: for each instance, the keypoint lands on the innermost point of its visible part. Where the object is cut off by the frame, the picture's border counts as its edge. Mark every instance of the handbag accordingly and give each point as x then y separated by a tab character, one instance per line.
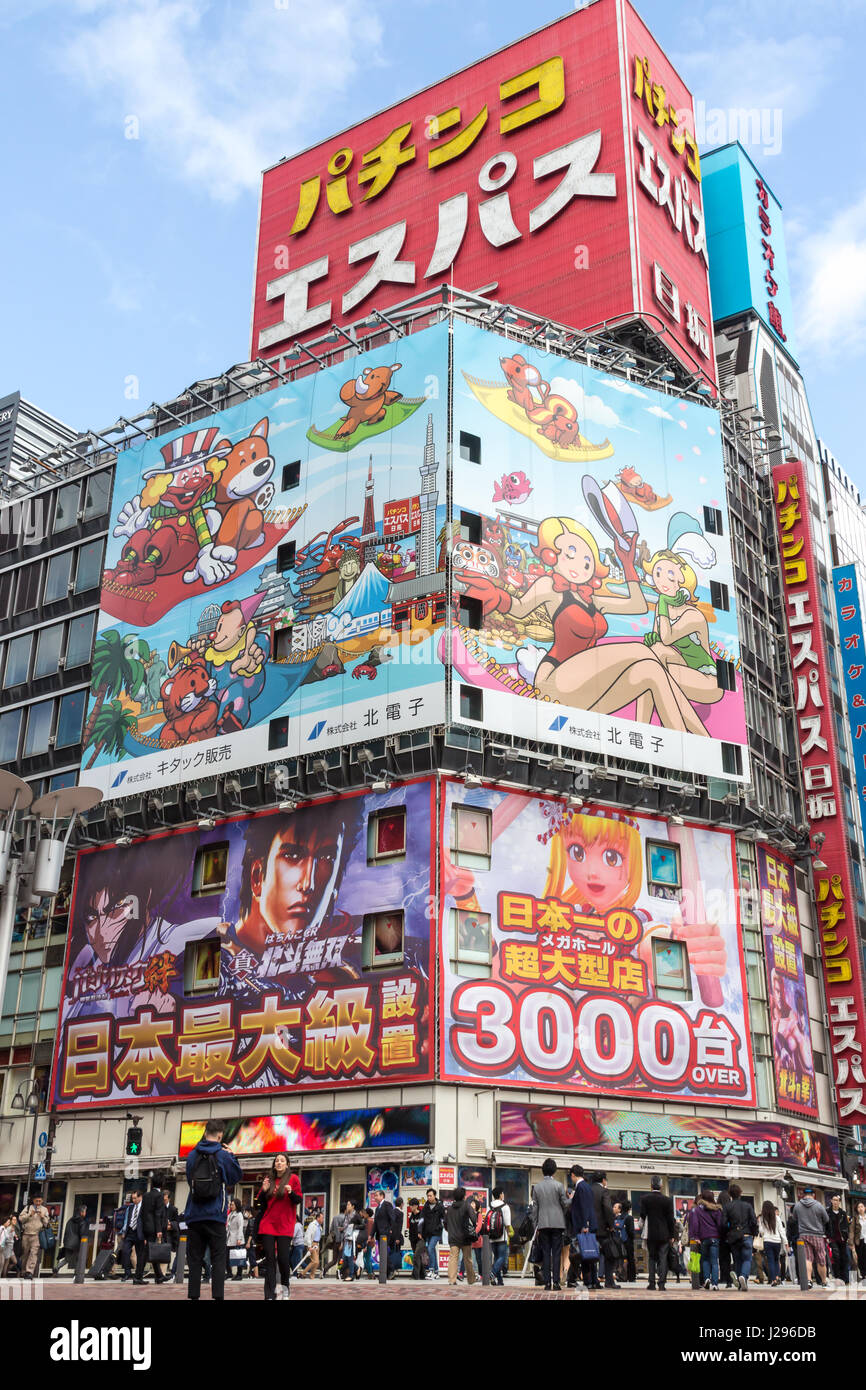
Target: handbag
238	1256
694	1262
47	1238
587	1245
159	1253
611	1247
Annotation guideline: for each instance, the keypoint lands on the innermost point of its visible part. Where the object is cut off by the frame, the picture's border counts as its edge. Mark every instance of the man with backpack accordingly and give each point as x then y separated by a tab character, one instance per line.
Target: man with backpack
460	1224
496	1224
211	1171
741	1231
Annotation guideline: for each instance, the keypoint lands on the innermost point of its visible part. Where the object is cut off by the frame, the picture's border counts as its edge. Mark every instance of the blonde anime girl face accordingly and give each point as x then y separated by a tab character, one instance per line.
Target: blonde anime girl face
599	873
576	562
667	577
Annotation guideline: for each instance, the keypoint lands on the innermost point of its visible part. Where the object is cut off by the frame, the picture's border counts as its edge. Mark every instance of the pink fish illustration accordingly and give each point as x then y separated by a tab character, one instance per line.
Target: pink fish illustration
512	487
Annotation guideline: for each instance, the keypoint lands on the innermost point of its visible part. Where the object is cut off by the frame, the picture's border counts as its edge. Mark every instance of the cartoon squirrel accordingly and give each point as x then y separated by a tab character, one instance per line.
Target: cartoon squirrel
555	416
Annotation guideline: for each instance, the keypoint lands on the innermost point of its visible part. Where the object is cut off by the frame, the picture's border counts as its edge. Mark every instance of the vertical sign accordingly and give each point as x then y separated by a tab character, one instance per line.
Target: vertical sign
786	982
837	921
853	654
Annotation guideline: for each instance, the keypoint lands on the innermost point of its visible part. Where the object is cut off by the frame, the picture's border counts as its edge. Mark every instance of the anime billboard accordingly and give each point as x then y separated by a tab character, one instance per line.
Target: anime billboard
281	952
786	984
591	951
602	610
268	589
320	1131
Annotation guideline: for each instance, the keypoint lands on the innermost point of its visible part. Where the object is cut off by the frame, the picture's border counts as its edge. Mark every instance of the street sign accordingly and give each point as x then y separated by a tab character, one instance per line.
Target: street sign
43	1139
40	1175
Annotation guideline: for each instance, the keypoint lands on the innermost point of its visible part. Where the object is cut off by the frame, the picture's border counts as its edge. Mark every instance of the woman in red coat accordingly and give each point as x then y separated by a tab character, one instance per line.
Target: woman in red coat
280	1197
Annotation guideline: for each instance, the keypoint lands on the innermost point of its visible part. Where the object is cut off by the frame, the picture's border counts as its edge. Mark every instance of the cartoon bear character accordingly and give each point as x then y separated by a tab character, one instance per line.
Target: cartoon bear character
522	378
191	712
367	398
244	488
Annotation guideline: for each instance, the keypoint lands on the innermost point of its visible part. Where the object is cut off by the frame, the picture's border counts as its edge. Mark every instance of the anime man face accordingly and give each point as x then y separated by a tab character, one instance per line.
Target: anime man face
287	885
105	918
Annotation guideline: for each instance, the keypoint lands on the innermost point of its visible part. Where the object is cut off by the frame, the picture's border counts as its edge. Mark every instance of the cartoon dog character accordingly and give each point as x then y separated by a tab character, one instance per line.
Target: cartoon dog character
191	712
522	379
245	489
367	398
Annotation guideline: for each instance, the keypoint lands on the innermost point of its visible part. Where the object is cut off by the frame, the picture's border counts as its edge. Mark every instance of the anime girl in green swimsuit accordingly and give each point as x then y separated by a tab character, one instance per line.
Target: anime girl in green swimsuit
680	636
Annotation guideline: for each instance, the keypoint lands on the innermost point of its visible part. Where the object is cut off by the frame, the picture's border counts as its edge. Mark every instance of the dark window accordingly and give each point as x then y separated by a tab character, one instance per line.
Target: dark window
39	719
10	732
57	579
719	596
79	644
439	609
382	940
291	475
471	614
27	594
470	447
88	573
278	732
70	719
66	510
97	495
726	674
386	836
201	966
713	521
286	557
399	616
48	643
471	704
283	644
210	869
470	527
18	660
732	759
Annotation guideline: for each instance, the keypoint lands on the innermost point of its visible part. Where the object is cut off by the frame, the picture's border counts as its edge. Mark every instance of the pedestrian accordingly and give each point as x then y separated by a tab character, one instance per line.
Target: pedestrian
235	1240
812	1225
383	1228
313	1237
7	1245
725	1277
792	1233
353	1226
549	1205
298	1252
432	1225
705	1228
369	1240
461	1228
395	1247
280	1196
154	1221
605	1228
838	1233
628	1238
659	1229
132	1233
858	1238
74	1232
416	1240
334	1242
770	1232
32	1220
211	1170
172	1229
497	1227
739	1235
583	1223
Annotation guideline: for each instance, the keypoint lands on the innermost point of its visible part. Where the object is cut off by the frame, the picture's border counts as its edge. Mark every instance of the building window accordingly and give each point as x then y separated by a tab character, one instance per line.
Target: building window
671	970
278	732
382	940
663	868
29	580
10	732
732	759
88	574
79	645
66	510
713	521
471	836
386	835
97	495
17	660
285	557
57	579
470	527
470	447
283	643
719	596
70	719
291	475
38	728
48	643
471	944
470	613
471	703
201	966
726	674
210	869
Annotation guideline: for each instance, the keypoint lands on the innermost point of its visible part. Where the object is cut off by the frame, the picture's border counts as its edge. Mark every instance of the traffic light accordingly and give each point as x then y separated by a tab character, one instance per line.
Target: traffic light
133	1141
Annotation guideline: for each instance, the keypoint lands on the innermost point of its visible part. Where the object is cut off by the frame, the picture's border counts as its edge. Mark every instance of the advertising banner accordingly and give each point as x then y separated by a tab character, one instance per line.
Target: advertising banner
601	576
253	605
786	985
849	616
319	1131
590	950
560	173
629	1133
262	955
825	808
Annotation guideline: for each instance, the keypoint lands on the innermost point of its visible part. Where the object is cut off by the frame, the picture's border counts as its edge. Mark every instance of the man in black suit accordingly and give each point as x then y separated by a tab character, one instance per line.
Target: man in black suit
132	1232
154	1221
659	1229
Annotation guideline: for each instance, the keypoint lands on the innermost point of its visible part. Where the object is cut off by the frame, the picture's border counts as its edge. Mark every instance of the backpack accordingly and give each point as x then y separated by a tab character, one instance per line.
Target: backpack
526	1229
206	1180
494	1224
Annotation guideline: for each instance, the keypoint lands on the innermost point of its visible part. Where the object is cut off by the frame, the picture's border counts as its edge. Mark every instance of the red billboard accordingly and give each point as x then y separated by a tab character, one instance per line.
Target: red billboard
401	518
559	174
825	804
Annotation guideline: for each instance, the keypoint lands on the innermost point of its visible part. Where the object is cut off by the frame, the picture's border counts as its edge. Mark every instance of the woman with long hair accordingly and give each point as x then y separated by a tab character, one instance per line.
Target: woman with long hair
770	1232
680	636
280	1195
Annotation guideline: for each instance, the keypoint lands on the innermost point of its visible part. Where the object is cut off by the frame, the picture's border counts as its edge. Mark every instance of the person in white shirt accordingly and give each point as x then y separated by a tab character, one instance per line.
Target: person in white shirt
770	1231
499	1247
313	1239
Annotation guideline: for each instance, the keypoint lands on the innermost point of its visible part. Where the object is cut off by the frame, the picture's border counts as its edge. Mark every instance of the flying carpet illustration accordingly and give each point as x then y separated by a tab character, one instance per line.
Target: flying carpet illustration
494	397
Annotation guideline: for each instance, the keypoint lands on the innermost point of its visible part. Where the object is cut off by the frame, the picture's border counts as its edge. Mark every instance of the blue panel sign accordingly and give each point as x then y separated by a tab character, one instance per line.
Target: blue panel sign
853	657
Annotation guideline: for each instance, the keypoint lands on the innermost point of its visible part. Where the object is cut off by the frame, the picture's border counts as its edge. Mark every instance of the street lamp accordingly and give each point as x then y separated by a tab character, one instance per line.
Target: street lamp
15	796
31	1107
66	802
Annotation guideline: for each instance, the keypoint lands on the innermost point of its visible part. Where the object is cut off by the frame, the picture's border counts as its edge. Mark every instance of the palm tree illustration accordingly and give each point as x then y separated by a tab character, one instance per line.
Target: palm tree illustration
110	728
118	666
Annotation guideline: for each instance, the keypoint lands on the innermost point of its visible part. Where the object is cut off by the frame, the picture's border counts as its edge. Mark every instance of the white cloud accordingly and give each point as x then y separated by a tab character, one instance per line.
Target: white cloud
284	400
659	411
744	73
219	91
284	425
588	407
831	263
615	384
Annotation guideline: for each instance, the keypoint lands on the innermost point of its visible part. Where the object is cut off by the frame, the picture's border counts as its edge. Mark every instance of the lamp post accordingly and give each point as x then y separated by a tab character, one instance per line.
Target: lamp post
31	1107
15	796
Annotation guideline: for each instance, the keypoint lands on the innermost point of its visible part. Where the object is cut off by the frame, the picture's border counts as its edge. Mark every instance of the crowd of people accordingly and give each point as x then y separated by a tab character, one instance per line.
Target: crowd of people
575	1232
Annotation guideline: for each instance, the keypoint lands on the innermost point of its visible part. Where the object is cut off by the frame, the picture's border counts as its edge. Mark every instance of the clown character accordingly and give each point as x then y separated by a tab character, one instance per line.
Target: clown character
576	670
596	863
236	654
680	637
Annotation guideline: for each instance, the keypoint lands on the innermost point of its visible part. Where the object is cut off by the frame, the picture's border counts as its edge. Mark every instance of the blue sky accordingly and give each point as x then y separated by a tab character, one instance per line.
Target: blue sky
128	262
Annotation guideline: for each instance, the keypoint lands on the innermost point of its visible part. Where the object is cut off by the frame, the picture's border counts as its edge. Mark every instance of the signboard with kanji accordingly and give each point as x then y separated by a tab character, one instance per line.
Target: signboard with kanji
591	951
271	953
791	1032
825	810
560	174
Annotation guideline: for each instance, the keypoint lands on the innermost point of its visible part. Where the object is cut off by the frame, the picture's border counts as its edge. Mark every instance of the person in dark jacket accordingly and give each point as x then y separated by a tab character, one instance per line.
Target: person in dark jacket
205	1216
657	1213
416	1238
705	1228
460	1225
432	1225
549	1206
837	1234
582	1220
74	1232
742	1227
628	1227
385	1222
395	1247
605	1227
724	1201
154	1222
172	1228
